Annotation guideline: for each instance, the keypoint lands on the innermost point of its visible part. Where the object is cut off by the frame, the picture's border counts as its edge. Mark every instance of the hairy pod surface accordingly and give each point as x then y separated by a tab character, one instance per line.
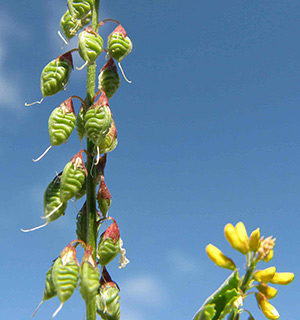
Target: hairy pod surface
80	125
66	273
98	120
53	206
90	45
72	178
107	301
119	45
80	8
61	123
89	276
108	79
56	74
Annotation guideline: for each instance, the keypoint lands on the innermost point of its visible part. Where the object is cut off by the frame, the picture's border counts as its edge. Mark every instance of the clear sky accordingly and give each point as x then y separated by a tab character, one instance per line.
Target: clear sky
208	134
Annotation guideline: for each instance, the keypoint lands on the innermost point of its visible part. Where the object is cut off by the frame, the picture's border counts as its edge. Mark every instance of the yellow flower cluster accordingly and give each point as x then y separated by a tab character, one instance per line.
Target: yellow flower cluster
256	248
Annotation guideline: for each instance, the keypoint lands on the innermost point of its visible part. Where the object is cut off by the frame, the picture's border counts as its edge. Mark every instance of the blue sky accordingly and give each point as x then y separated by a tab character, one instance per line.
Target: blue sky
208	134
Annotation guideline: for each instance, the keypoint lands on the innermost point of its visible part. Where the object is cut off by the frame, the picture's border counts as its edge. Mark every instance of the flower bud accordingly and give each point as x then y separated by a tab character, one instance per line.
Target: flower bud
265	275
268	310
233	238
254	241
242	233
219	258
89	276
267	291
283	278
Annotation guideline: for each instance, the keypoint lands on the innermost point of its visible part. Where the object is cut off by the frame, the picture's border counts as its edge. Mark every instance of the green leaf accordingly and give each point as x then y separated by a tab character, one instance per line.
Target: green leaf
219	304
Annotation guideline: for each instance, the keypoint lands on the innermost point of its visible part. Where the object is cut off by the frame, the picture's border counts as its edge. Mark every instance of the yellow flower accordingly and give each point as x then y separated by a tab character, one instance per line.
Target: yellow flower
269	256
219	258
266	290
268	310
265	275
237	237
283	278
254	241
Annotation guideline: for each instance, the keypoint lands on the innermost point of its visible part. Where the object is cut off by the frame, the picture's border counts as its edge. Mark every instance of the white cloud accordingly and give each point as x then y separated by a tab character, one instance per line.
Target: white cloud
181	262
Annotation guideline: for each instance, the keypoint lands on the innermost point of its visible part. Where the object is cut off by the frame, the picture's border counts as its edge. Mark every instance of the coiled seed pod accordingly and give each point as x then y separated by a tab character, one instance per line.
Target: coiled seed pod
80	8
73	177
98	119
103	197
119	45
90	45
61	123
71	26
108	79
65	275
56	74
110	141
80	126
89	276
109	245
81	223
78	195
49	291
107	301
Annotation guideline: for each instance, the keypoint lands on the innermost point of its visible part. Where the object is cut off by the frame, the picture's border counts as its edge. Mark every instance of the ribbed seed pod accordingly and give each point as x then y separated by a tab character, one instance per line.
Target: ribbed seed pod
49	291
103	197
119	45
110	141
81	223
71	26
107	301
80	126
90	44
72	178
56	74
65	274
98	119
108	79
109	245
80	8
89	276
78	195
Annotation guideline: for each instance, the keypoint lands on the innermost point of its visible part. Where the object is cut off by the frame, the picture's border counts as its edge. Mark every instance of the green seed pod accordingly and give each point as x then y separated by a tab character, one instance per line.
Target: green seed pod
72	178
80	126
119	45
110	141
56	74
109	245
49	291
108	79
107	301
90	45
89	276
80	8
81	223
65	274
81	192
103	197
71	26
98	119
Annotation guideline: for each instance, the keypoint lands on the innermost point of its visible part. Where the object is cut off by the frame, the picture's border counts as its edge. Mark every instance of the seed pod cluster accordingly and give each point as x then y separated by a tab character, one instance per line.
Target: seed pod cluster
108	79
72	178
109	245
90	45
89	276
119	45
80	8
56	74
107	301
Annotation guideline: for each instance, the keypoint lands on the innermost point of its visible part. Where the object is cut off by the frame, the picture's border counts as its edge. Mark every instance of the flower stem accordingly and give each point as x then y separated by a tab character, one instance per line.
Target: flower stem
91	185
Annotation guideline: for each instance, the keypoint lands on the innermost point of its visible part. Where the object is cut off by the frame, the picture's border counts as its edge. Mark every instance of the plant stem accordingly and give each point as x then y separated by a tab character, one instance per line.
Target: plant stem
91	186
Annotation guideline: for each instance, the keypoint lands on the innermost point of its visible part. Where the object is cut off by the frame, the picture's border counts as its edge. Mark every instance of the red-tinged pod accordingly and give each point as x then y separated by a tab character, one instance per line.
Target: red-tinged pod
109	245
108	79
119	45
103	197
73	177
110	141
107	301
89	276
